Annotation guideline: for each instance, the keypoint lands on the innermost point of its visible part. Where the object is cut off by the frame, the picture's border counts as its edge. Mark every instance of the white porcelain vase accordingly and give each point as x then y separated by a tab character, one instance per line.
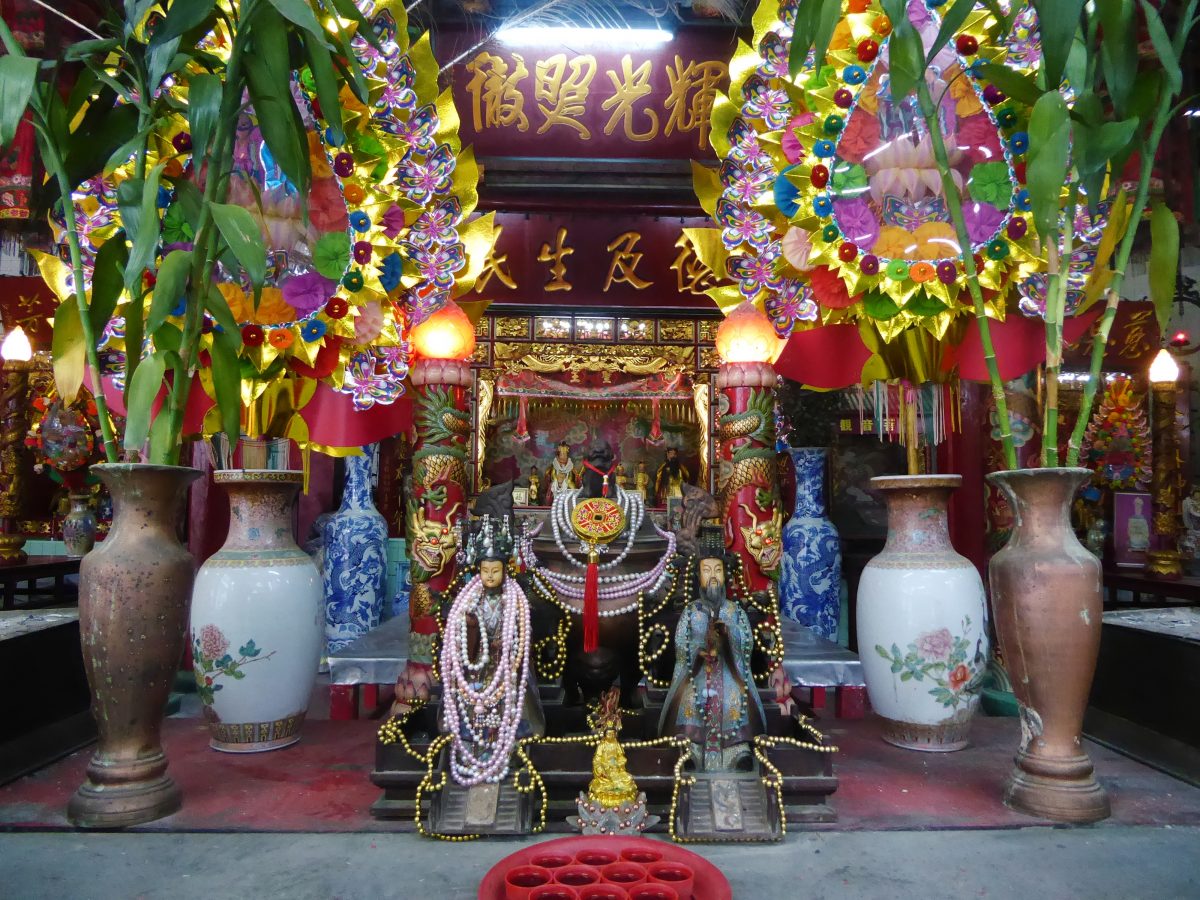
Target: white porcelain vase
257	624
922	620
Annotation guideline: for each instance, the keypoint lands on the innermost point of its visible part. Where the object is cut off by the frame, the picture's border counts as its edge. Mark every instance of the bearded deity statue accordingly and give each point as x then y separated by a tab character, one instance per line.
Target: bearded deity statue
672	475
489	695
712	700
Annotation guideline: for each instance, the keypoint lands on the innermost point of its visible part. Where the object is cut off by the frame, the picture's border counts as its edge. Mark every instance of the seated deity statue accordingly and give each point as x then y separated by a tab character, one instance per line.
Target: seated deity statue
712	700
489	695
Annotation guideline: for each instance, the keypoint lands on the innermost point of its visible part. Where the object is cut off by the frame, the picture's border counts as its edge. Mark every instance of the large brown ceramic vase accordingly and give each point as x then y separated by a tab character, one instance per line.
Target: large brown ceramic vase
134	591
1046	599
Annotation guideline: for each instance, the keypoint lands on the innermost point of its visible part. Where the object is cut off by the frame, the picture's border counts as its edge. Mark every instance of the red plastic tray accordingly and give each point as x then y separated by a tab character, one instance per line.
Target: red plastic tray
710	883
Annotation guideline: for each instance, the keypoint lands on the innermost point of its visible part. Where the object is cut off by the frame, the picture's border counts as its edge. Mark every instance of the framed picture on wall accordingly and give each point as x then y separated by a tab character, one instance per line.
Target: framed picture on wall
520	496
1132	513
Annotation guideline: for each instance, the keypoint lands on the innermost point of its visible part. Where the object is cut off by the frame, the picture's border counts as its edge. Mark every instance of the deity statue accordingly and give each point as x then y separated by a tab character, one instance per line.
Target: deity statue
672	475
598	478
712	700
1137	528
489	695
622	478
611	784
698	505
535	484
641	480
1190	542
562	471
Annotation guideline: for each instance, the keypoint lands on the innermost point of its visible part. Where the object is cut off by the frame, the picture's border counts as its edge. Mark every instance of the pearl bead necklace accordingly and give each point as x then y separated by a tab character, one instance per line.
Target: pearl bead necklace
468	709
632	508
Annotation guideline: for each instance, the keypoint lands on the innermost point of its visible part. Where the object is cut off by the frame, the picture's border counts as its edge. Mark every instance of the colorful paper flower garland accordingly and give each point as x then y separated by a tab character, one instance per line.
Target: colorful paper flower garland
386	241
828	198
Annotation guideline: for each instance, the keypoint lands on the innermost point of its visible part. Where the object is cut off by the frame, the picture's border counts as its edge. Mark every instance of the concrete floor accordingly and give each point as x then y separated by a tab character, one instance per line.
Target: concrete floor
1121	863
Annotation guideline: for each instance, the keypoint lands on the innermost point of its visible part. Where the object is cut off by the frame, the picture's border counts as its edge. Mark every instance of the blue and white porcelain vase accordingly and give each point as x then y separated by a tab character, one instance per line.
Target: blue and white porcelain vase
810	581
354	566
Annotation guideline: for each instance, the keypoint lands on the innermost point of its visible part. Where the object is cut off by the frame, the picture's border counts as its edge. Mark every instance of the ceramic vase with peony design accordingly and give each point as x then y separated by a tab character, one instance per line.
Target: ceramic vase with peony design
355	557
922	620
257	624
810	579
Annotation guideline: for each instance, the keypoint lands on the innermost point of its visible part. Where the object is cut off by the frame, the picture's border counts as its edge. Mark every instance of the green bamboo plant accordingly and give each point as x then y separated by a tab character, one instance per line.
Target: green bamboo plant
157	66
1081	138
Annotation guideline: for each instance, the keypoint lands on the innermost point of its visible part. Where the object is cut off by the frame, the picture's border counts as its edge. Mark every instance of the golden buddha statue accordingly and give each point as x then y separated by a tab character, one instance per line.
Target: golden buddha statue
611	785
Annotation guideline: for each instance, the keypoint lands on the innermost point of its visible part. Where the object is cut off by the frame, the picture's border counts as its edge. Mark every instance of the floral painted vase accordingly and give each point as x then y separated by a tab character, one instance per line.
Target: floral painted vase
922	620
355	558
79	527
810	580
257	616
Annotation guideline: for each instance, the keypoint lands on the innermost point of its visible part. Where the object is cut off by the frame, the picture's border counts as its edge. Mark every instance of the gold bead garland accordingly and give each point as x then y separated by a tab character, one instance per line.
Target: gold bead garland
553	670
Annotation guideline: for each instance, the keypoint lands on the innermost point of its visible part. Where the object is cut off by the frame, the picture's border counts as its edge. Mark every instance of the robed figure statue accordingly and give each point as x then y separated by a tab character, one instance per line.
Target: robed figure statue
712	700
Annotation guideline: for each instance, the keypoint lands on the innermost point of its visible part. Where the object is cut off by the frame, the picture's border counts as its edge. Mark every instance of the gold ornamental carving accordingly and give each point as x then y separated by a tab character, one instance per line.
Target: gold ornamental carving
512	327
486	388
576	359
676	330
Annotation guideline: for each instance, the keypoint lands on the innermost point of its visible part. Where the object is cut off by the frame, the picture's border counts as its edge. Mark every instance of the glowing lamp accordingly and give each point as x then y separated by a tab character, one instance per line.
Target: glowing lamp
1164	369
447	334
747	336
16	346
1180	339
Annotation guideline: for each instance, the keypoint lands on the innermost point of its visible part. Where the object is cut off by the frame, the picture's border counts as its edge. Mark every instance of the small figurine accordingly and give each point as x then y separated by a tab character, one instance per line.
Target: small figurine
535	484
562	470
712	700
612	804
671	477
622	478
641	480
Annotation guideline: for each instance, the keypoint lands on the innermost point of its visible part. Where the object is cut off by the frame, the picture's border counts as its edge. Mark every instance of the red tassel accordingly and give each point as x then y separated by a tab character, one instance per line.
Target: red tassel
591	607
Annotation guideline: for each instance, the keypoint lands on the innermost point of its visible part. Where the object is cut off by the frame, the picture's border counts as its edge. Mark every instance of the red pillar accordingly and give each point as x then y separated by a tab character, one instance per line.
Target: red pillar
441	427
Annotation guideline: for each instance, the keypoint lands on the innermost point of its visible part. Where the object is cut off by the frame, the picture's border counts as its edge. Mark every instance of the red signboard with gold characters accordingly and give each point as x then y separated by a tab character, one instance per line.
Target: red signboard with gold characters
595	260
586	102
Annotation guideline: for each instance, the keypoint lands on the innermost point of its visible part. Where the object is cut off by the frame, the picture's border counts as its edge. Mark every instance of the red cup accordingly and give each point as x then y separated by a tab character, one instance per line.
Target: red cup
674	874
595	857
623	873
643	856
551	860
603	892
576	876
554	892
520	880
652	890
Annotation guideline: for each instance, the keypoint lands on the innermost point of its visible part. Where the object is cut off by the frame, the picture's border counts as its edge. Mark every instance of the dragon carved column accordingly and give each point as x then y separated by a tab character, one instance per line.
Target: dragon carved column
438	501
14	422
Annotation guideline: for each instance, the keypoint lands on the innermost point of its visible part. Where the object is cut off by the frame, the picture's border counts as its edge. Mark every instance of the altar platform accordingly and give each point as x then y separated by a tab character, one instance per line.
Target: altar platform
323	784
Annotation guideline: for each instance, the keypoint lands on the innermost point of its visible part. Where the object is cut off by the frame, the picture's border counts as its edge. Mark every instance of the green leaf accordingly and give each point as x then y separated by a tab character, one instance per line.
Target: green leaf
169	339
802	36
143	389
214	302
125	151
300	13
1118	50
1164	48
98	137
18	75
1058	20
326	81
182	16
827	17
1164	260
204	106
145	243
906	55
269	75
227	384
135	332
169	287
160	59
69	350
952	21
243	237
108	280
348	9
1096	149
1016	85
1049	158
100	47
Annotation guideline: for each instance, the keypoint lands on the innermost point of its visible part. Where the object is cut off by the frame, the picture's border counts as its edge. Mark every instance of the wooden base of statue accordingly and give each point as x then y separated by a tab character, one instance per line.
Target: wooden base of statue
595	819
732	807
493	809
566	768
